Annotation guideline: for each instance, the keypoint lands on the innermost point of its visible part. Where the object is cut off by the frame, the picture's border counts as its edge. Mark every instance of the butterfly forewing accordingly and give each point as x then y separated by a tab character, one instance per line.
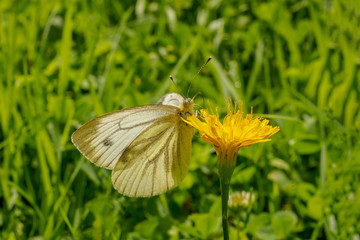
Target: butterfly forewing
104	139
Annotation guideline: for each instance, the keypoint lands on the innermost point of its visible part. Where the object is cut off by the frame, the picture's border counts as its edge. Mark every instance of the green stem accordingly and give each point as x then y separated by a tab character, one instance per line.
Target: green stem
226	165
224	204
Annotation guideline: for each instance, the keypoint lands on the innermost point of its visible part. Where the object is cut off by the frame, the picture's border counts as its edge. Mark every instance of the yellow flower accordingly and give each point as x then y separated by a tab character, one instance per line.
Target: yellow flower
235	132
228	137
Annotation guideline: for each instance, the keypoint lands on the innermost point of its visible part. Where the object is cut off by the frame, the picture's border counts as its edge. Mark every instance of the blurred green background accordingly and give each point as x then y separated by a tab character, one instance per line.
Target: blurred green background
63	63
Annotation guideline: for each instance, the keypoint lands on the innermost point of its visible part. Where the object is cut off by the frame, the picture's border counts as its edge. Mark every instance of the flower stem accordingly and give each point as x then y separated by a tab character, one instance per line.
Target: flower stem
224	203
226	165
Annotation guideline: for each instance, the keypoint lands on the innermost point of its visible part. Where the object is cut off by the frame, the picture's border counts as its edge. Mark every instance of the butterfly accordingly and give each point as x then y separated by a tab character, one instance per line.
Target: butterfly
148	147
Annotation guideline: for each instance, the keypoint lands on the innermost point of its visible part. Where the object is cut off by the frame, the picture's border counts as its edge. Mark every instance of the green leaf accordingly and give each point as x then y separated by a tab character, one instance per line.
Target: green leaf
90	171
205	224
279	177
215	209
266	233
147	227
304	191
315	207
280	164
283	223
207	202
257	221
307	146
243	175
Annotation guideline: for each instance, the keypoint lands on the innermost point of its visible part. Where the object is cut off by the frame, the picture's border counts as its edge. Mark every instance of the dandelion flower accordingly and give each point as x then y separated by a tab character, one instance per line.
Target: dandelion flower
235	132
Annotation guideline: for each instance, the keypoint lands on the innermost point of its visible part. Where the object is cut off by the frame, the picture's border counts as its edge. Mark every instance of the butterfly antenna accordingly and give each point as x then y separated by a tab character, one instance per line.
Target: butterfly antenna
208	60
172	79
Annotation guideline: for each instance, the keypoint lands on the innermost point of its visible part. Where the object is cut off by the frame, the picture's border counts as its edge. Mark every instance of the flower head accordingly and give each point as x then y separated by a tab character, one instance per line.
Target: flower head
235	132
241	199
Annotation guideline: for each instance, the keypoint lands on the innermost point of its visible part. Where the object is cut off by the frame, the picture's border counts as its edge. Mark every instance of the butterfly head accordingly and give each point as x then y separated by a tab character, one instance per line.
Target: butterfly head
187	107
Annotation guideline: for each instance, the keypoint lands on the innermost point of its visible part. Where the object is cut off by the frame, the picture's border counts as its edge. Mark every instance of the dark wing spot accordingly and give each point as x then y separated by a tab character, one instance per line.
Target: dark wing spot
107	142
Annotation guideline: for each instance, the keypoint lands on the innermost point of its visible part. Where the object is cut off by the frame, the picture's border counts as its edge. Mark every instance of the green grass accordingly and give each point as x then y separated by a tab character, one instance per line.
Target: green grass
296	62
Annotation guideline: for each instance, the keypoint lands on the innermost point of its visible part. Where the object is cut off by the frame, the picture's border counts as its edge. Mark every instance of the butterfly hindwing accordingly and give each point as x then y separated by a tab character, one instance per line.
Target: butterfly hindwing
156	161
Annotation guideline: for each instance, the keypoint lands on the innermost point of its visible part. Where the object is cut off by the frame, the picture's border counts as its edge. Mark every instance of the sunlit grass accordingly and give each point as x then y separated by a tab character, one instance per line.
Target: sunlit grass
63	64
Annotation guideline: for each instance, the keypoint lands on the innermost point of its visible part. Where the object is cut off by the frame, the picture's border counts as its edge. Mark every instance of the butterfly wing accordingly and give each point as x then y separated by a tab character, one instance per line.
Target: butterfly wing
157	160
104	139
172	99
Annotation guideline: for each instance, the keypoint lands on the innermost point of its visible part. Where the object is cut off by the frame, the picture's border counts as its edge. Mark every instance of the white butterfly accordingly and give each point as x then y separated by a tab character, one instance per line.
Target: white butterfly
147	147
